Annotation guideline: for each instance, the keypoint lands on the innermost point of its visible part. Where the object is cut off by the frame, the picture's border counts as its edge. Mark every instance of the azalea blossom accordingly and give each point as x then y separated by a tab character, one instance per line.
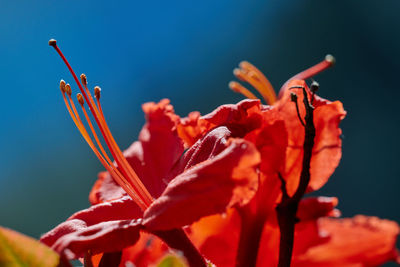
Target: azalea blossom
221	176
175	191
278	133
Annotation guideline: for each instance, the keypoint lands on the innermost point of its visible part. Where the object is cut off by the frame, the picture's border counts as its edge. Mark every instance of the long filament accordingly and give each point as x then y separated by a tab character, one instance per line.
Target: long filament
264	86
126	169
110	168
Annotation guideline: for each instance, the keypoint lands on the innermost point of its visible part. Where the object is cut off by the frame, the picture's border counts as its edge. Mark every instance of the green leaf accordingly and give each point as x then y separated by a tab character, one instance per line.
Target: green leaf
19	250
172	261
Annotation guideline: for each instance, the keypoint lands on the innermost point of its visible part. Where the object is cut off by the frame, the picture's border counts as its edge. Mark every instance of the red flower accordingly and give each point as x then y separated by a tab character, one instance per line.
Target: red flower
242	161
278	134
319	240
175	190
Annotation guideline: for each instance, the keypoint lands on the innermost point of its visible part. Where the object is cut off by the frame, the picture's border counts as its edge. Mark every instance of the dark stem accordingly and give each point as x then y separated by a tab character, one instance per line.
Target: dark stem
87	260
249	240
111	259
287	209
177	239
286	212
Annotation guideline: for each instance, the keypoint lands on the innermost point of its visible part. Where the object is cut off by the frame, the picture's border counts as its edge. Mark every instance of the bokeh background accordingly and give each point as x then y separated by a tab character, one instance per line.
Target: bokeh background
140	51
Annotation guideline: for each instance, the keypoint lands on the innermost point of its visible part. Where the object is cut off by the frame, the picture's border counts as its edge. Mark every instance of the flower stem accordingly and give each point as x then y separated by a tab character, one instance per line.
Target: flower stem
286	212
287	209
177	239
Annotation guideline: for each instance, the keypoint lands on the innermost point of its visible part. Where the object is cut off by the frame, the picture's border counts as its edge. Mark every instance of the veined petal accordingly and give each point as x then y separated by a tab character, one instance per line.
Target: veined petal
328	145
102	237
148	251
214	232
208	147
121	209
312	208
210	187
105	189
239	118
152	157
271	141
358	241
161	146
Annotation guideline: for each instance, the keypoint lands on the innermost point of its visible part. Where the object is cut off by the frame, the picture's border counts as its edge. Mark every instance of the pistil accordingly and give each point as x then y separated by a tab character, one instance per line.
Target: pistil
328	62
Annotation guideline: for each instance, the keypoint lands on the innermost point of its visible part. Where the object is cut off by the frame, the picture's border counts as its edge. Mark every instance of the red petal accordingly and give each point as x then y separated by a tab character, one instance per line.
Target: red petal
207	148
148	251
358	241
105	189
239	118
103	237
314	207
306	235
121	209
269	246
152	157
271	141
210	187
212	233
327	147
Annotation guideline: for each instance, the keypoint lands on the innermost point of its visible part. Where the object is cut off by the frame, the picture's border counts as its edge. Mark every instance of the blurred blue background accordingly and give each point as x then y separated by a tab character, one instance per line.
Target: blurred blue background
140	51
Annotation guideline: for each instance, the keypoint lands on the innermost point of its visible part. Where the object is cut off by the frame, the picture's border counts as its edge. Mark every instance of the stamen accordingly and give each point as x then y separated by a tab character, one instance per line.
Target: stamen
97	92
110	168
107	163
126	169
62	86
251	78
130	173
266	89
68	89
83	79
238	88
81	101
314	88
115	151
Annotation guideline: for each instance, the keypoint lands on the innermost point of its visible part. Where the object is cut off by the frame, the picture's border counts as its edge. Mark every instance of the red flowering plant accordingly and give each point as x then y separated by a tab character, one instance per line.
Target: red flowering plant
226	187
298	156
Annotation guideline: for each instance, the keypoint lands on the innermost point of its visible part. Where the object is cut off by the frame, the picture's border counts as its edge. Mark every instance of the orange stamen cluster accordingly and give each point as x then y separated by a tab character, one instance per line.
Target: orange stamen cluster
122	172
250	74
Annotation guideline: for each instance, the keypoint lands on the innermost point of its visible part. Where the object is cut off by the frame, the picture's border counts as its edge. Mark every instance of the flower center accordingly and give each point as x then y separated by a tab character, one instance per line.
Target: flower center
121	171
